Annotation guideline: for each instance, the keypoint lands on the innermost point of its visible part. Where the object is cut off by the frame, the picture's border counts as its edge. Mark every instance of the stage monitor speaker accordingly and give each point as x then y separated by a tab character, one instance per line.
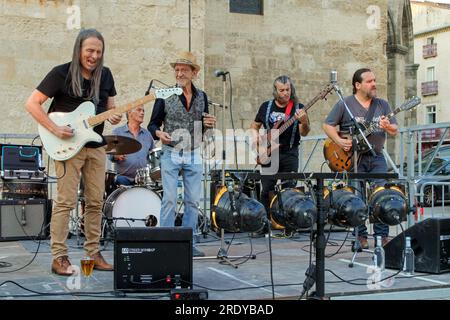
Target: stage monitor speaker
430	241
152	259
24	219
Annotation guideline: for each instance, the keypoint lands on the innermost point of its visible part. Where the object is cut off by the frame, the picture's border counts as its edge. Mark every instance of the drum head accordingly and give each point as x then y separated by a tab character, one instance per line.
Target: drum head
133	207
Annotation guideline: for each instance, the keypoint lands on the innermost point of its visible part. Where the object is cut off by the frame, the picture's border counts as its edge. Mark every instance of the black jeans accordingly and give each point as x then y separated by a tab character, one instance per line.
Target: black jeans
288	162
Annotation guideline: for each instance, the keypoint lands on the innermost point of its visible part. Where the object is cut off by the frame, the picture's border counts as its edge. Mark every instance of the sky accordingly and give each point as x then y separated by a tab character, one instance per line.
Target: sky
440	1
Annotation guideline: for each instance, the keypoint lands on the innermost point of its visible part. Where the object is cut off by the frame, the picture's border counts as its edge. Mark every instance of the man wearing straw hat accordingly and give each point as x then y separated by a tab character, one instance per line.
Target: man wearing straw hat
182	116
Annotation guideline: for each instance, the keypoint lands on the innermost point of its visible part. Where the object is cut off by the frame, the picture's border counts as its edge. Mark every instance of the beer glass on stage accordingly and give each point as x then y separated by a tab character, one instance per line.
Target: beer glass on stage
87	267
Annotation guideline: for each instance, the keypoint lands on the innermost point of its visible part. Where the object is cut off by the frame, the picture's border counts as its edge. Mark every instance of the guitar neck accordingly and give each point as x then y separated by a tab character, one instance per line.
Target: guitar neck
374	125
102	117
288	123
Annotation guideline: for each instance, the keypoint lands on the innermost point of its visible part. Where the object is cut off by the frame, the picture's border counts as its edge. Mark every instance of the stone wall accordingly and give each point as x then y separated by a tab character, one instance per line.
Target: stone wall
303	39
141	38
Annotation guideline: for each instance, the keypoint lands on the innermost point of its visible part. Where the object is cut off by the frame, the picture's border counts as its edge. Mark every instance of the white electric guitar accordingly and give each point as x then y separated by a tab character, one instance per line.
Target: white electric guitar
82	120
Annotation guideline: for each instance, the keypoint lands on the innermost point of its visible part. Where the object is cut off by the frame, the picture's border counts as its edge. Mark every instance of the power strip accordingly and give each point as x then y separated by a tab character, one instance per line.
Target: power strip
188	294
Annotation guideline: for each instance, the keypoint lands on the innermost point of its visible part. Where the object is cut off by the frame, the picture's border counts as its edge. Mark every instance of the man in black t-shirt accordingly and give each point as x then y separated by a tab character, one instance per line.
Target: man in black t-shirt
83	79
284	106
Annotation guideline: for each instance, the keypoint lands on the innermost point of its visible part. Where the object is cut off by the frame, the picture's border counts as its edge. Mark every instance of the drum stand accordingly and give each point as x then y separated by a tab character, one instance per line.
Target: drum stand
76	217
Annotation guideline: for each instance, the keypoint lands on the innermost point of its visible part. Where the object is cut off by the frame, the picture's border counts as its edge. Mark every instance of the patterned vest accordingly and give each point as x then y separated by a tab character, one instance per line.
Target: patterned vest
180	123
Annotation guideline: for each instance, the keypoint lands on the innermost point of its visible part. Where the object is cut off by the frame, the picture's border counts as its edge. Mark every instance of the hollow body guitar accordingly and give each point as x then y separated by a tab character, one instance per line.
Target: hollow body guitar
340	160
266	145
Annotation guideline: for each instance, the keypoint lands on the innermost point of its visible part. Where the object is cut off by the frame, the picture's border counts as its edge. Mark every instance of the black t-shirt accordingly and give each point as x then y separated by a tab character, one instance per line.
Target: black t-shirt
276	114
56	86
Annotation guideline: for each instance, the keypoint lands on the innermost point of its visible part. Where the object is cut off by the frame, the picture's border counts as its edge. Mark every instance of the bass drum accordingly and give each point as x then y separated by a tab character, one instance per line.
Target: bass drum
133	207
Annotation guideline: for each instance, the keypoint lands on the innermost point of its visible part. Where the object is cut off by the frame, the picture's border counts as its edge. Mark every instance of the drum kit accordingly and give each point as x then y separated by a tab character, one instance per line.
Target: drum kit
129	206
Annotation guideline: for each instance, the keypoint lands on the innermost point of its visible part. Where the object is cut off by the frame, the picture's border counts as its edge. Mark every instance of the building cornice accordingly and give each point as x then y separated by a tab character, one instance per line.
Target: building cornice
432	31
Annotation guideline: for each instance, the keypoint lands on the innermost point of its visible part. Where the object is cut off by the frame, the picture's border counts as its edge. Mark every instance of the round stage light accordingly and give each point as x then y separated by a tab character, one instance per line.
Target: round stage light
236	212
388	205
295	210
346	209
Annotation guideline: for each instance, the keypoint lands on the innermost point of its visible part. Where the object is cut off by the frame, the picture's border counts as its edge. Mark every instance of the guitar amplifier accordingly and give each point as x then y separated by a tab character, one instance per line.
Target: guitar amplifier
24	219
21	162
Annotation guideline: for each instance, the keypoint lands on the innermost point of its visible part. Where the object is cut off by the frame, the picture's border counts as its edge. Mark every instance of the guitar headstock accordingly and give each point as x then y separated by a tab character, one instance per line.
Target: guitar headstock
411	103
167	92
325	91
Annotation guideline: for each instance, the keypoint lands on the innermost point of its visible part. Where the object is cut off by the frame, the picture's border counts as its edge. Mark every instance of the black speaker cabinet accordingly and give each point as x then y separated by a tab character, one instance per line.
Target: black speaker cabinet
152	259
430	240
24	219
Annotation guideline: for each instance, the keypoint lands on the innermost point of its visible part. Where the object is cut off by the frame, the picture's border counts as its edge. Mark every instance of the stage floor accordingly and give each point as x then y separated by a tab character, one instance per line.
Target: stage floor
250	281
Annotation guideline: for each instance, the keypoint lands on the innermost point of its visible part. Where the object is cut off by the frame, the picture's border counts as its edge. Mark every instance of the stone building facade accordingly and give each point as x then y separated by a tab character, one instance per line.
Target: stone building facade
303	39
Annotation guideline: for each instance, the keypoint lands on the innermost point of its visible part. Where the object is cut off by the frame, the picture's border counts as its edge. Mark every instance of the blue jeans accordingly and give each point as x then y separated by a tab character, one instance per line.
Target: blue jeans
190	162
123	181
371	164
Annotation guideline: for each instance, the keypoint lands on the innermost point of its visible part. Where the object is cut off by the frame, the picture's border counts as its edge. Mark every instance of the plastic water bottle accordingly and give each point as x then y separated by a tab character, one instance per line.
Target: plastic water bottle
378	255
408	265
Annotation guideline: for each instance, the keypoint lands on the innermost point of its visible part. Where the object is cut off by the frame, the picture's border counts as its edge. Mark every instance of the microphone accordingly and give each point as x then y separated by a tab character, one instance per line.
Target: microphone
219	73
149	88
333	76
215	104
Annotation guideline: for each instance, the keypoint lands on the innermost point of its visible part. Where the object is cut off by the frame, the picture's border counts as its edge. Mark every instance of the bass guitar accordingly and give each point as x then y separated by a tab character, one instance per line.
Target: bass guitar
264	150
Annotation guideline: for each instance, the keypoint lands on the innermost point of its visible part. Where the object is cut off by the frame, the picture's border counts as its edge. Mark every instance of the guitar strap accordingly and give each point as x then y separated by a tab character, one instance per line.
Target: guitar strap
371	112
294	130
269	109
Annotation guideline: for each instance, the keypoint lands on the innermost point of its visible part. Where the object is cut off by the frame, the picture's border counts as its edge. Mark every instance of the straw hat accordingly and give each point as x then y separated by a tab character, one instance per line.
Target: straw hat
186	57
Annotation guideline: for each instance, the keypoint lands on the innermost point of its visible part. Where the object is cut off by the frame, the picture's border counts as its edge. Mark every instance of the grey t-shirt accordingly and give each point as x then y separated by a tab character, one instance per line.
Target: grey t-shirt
339	116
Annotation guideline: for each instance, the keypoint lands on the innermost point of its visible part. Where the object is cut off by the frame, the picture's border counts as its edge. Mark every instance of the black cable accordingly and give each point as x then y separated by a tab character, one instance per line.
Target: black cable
32	141
343	242
77	293
232	122
311	271
241	288
35	254
270	258
351	281
56	178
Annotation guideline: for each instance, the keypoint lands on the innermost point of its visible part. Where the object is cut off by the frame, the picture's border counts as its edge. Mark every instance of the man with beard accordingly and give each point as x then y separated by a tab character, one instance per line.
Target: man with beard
364	105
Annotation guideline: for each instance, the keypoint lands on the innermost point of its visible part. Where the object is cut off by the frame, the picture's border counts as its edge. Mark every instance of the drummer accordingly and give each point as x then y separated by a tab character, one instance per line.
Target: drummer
127	164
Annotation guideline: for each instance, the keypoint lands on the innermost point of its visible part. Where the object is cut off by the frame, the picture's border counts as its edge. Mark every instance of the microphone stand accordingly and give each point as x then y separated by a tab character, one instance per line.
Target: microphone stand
357	127
354	131
224	80
222	254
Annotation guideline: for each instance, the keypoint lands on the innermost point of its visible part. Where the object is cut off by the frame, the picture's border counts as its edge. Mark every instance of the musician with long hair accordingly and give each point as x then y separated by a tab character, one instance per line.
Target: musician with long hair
283	107
85	78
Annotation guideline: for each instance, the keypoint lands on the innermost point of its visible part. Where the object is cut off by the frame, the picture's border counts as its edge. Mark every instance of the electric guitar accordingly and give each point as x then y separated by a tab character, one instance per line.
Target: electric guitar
82	120
264	150
339	160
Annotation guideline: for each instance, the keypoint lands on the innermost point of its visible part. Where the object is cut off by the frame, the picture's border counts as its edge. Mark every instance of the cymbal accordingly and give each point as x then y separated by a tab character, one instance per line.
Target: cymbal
121	145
